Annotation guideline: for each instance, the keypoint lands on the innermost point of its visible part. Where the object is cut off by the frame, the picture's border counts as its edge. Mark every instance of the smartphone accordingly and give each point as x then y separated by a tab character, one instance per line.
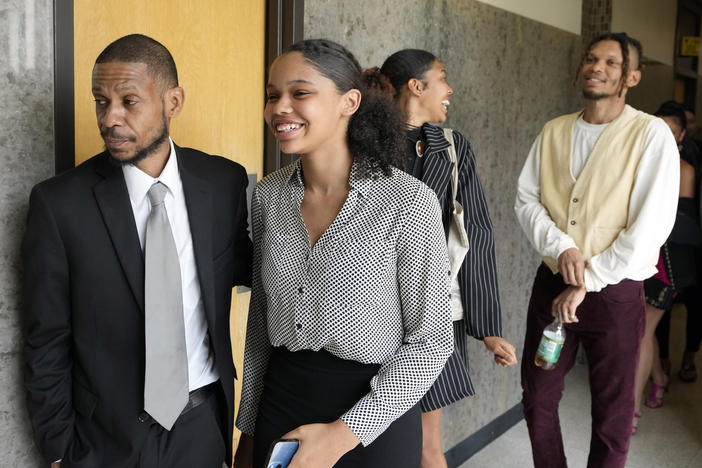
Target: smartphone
281	453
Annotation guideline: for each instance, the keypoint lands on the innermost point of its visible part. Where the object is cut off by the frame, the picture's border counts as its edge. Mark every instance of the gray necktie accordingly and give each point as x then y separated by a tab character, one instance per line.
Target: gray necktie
166	379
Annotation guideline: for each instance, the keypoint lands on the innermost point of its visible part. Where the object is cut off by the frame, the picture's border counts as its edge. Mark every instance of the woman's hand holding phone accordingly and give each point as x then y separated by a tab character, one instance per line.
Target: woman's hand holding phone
281	453
321	445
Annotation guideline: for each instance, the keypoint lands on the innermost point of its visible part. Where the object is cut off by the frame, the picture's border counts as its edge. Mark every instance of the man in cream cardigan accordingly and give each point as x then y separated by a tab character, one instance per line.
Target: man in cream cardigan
597	198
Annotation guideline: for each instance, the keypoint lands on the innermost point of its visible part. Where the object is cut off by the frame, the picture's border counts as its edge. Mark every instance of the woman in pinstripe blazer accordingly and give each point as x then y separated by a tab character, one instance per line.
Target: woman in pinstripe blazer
417	81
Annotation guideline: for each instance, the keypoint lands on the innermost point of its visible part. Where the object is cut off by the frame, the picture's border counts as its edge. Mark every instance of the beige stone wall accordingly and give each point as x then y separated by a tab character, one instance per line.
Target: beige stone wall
653	23
563	14
656	86
650	21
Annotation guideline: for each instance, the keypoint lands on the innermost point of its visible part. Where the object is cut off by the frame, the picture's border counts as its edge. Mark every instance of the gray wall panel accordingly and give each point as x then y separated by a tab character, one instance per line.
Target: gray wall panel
27	155
510	75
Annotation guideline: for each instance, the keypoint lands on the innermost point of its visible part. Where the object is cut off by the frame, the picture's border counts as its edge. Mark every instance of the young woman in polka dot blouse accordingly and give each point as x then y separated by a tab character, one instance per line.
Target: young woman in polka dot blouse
350	320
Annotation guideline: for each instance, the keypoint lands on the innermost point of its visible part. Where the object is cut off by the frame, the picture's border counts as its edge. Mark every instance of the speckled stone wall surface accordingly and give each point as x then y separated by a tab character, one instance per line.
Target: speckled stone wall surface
27	155
509	75
596	19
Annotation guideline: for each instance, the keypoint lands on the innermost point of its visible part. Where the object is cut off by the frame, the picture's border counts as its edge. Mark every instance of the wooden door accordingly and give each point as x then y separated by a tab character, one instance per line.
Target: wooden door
219	48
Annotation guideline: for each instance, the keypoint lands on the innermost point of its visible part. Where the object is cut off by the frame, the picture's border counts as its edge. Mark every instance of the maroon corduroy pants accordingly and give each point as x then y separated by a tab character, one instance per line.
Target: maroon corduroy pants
610	329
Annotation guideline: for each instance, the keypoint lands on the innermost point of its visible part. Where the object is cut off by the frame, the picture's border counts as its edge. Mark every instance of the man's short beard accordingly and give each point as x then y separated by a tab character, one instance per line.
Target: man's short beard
143	153
589	95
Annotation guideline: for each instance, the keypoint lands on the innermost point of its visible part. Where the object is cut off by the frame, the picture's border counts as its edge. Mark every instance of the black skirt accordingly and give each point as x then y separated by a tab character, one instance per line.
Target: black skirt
679	261
309	387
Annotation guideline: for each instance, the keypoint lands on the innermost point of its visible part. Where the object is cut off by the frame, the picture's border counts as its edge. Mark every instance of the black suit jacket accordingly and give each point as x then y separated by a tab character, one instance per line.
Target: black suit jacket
84	301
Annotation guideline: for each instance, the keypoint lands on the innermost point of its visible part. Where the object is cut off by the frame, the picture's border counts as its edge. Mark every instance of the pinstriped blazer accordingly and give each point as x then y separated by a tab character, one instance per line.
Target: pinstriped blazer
478	274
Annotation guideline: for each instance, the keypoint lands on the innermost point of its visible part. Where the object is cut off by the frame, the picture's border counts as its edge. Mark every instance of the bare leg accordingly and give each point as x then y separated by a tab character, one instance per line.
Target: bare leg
647	355
693	333
432	454
658	373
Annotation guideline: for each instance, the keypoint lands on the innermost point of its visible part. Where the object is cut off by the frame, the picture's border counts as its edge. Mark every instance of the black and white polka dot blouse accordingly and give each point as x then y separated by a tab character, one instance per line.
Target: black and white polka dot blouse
374	289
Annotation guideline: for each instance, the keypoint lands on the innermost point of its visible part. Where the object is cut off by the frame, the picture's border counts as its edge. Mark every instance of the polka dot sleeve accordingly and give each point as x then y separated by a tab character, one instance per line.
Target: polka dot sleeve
423	284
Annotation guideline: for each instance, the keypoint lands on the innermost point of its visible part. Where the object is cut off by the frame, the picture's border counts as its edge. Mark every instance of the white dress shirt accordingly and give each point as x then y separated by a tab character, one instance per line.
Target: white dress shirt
652	206
201	370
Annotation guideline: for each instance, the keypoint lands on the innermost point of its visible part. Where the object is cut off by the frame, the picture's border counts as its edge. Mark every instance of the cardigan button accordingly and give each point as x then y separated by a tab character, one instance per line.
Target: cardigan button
575	200
572	223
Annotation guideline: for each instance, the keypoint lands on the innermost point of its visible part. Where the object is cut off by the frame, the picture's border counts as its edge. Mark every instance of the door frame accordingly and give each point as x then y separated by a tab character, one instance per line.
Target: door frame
284	25
64	104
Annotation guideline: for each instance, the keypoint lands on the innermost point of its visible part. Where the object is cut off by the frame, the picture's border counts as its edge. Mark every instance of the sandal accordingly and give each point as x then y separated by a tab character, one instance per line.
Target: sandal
635	423
655	397
688	373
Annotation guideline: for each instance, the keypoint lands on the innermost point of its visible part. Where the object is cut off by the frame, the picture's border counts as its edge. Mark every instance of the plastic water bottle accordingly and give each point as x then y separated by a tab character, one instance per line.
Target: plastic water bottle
550	345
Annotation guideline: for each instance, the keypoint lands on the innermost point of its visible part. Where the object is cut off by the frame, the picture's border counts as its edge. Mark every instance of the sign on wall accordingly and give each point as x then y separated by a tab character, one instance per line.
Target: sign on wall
690	46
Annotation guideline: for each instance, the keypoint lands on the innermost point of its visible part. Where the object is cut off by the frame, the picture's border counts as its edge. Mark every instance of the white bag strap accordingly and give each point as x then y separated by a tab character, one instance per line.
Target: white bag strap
448	134
457	208
457	242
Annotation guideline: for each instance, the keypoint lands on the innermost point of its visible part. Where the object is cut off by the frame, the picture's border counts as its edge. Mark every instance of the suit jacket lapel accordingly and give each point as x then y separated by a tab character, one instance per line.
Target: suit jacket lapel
437	164
113	200
198	200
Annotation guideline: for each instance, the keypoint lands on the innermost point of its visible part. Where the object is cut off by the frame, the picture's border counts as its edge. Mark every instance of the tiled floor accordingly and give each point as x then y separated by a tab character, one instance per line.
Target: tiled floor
668	437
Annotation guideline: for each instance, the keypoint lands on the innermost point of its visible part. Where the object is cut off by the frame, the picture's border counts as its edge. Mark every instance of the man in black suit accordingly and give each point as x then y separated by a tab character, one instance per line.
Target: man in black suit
89	299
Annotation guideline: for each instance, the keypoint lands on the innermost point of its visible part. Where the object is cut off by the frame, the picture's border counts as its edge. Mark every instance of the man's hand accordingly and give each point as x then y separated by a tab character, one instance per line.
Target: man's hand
321	445
566	303
502	349
572	267
244	452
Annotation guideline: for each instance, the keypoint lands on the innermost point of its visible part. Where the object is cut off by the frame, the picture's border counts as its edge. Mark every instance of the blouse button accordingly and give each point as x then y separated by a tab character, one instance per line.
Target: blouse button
575	200
298	326
572	223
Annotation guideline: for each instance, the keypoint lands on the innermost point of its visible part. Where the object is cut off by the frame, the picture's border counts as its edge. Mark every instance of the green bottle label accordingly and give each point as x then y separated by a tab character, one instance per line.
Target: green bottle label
549	349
